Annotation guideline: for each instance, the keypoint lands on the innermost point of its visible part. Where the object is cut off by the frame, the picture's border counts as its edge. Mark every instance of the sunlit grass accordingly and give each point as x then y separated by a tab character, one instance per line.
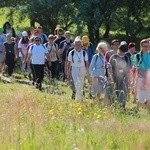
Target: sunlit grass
30	119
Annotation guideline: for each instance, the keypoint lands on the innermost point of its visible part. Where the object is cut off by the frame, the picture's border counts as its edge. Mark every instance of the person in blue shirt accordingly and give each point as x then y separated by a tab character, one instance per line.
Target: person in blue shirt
142	63
88	47
97	71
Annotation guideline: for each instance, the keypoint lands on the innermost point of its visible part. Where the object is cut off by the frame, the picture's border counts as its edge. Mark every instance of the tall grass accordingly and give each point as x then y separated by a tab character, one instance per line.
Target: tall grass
31	120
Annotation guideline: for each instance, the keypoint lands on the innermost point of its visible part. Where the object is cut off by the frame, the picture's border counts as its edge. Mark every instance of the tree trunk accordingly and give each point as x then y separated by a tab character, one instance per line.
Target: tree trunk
91	33
32	23
96	35
106	34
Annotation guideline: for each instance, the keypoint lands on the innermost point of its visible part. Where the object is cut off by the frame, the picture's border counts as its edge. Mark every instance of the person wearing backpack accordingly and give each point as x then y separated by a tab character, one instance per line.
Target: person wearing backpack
119	65
22	46
53	53
63	49
78	67
142	63
97	72
42	35
37	53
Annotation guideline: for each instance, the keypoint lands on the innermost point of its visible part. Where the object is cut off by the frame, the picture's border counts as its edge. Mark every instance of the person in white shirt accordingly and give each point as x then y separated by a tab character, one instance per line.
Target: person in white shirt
52	51
22	46
77	67
37	54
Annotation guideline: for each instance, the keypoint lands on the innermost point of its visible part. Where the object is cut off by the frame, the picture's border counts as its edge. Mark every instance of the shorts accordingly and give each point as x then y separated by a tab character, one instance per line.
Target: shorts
142	94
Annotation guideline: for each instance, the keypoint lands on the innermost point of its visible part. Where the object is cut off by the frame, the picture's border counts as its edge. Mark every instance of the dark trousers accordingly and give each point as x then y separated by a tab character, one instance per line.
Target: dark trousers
53	69
10	63
122	89
38	74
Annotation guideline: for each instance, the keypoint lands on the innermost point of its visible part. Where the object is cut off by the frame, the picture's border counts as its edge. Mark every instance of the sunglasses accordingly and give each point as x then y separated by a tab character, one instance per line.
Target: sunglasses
116	44
37	40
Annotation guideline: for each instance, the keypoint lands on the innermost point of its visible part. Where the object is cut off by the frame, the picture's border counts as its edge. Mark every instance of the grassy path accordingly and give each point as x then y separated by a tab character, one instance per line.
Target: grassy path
32	120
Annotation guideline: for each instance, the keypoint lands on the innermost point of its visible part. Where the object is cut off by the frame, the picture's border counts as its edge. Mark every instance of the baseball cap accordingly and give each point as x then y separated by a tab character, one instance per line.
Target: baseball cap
123	48
24	33
51	36
77	39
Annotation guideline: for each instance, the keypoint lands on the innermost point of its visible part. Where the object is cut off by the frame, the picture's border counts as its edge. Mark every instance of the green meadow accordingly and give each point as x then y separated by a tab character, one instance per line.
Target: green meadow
34	120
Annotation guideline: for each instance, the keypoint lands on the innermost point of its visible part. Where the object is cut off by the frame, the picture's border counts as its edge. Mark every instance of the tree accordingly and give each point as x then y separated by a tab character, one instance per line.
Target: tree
131	15
95	13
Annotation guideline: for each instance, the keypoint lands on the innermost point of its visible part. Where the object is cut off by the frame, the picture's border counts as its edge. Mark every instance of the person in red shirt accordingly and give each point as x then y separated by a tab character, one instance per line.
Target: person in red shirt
115	46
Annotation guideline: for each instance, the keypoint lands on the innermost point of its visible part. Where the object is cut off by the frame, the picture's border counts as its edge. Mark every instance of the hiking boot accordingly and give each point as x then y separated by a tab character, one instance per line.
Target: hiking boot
73	95
90	96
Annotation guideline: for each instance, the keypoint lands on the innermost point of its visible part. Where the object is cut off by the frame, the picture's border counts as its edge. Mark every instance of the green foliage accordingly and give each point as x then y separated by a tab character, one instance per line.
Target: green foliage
129	17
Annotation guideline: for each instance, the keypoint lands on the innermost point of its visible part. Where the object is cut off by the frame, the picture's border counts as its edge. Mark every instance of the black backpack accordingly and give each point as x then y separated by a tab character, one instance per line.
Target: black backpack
44	39
139	57
54	45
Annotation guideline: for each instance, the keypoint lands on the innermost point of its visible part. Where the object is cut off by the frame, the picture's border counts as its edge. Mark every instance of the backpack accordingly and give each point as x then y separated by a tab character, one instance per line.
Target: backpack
65	52
72	54
97	58
116	68
139	57
32	46
54	45
105	65
44	38
126	58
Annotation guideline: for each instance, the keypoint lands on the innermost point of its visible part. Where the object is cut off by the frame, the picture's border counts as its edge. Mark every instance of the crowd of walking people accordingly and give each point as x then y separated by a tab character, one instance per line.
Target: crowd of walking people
114	72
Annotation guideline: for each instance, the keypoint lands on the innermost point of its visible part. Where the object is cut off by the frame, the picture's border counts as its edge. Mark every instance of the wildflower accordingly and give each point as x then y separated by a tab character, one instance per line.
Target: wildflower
98	116
51	112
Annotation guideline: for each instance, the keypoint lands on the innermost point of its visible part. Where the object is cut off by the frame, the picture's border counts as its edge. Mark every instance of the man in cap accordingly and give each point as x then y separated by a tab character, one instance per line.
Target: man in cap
119	64
63	50
77	67
2	56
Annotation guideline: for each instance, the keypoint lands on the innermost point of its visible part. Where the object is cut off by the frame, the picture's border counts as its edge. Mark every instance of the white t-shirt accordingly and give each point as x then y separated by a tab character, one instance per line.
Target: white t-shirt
38	53
23	47
78	59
